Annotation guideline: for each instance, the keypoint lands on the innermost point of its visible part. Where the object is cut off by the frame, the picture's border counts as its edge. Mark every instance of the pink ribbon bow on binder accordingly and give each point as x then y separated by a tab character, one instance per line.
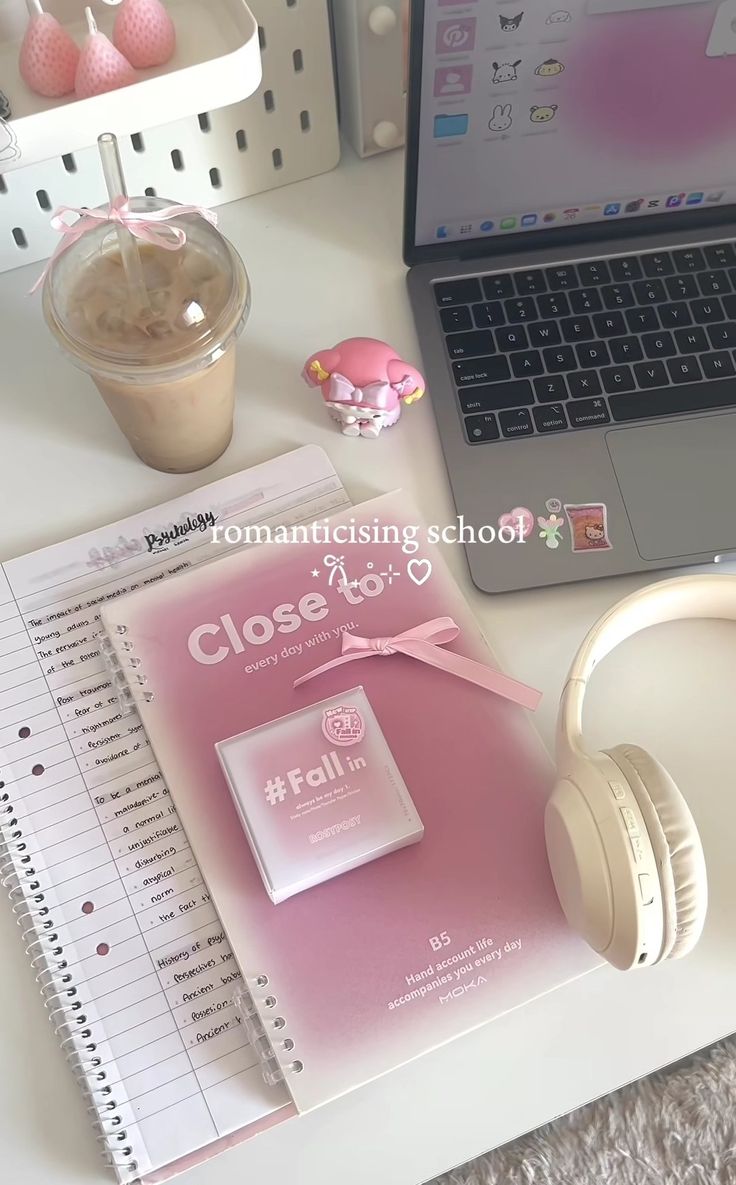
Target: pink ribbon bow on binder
425	643
150	226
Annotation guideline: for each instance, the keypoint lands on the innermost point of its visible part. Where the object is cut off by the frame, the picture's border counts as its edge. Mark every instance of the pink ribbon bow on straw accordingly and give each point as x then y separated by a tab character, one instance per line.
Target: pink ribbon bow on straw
425	643
150	226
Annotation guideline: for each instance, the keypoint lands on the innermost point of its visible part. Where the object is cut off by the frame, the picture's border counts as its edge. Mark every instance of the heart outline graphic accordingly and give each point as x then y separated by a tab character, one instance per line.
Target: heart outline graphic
413	571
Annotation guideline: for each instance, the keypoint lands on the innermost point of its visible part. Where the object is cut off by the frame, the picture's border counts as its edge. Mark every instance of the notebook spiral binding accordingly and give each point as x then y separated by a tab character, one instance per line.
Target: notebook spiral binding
127	679
274	1051
59	992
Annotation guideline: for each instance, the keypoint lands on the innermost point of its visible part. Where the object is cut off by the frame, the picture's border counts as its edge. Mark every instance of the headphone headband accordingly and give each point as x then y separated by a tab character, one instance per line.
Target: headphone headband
707	596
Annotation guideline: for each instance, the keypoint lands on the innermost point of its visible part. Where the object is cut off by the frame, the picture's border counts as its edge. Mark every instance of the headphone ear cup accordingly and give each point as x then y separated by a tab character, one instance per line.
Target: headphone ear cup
677	847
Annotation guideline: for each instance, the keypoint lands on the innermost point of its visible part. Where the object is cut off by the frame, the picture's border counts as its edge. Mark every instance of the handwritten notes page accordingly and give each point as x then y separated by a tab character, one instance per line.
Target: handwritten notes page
152	971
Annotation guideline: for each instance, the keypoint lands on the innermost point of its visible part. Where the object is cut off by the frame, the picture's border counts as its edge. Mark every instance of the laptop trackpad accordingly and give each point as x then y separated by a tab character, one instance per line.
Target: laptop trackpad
678	482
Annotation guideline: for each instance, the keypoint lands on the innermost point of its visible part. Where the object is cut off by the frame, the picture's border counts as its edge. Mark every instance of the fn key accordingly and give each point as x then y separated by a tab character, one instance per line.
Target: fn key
480	429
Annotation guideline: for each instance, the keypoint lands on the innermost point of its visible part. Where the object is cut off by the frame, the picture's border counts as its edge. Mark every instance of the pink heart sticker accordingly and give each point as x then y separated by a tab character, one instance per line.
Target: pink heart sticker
520	520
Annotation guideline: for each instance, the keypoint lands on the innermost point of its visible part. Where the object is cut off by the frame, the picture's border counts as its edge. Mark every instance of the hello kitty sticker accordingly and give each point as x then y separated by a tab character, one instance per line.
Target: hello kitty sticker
343	726
589	527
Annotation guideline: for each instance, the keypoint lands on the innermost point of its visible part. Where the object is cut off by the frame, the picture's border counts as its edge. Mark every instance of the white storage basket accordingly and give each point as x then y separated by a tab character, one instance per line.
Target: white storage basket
284	132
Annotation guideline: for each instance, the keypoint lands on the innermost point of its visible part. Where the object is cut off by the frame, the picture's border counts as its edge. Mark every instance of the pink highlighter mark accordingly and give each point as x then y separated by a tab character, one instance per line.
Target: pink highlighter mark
631	95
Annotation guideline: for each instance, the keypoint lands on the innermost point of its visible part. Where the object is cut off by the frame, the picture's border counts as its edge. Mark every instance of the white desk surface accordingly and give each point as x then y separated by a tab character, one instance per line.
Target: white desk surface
325	262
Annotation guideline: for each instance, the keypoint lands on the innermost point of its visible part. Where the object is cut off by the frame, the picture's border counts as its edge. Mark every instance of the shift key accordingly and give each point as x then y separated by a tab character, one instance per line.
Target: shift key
498	397
481	370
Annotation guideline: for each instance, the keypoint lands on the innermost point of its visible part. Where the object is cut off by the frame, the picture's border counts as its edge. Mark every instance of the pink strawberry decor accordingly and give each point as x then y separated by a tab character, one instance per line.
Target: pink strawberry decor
48	56
145	33
102	67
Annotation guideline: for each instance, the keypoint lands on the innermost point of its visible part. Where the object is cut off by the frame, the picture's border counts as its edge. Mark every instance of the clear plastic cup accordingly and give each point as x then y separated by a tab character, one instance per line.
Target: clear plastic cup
165	371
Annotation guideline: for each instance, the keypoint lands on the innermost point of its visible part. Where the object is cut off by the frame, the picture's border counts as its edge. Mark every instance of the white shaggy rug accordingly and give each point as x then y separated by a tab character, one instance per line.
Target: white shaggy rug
676	1128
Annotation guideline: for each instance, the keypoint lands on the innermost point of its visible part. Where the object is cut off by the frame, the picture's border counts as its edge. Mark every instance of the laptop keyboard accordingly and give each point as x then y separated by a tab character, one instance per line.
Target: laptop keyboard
600	342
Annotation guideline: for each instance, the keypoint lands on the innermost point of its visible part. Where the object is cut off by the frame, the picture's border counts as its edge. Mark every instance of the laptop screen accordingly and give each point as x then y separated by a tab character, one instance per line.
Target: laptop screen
541	114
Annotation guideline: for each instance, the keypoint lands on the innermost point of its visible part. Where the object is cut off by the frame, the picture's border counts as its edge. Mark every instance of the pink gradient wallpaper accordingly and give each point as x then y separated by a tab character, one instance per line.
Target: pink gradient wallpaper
393	958
642	85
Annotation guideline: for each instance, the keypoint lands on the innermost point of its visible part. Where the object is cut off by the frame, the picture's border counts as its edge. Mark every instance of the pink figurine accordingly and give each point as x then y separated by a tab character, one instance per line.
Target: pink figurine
364	384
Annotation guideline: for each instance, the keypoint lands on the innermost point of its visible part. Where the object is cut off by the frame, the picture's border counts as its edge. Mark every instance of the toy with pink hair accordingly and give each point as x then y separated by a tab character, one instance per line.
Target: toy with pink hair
364	384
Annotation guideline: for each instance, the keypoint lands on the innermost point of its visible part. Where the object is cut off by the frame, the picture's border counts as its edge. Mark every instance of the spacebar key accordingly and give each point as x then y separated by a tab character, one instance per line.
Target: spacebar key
673	401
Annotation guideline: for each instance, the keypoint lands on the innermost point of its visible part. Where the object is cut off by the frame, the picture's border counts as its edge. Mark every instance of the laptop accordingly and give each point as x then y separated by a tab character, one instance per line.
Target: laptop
571	236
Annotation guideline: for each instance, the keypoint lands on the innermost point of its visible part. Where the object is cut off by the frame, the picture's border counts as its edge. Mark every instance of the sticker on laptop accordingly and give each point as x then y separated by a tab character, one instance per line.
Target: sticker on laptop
550	530
589	527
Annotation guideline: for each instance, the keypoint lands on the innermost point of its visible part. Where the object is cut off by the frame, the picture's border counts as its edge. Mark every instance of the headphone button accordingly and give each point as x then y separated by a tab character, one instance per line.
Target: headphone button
617	791
637	848
630	821
645	888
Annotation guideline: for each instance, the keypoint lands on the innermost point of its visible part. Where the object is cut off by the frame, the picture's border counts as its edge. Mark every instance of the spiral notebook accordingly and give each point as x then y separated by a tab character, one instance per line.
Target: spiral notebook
361	973
123	937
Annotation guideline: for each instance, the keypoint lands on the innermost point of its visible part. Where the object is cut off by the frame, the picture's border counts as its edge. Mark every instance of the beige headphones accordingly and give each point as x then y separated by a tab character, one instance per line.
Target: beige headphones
625	853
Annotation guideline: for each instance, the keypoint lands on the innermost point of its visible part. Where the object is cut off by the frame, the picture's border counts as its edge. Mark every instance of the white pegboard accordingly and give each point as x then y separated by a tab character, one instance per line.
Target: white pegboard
285	132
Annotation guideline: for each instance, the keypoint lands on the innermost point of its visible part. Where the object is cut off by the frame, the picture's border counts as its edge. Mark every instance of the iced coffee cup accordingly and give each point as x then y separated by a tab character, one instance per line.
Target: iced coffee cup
161	353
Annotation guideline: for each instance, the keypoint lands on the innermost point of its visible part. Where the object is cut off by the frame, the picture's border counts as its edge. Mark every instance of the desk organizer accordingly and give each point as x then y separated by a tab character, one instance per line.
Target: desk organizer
212	153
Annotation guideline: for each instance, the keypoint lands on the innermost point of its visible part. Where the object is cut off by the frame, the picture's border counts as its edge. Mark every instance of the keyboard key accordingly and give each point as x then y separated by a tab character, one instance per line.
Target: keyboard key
692	341
512	339
554	305
584	384
673	316
706	310
516	423
626	349
496	397
594	273
659	264
642	320
721	255
717	366
481	370
551	388
618	378
673	401
522	309
456	317
596	354
545	334
497	287
562	277
470	345
618	296
659	345
650	292
714	283
530	283
585	300
627	267
527	364
690	260
586	413
609	324
560	359
577	329
684	370
729	304
651	374
457	292
489	315
480	429
551	418
722	334
682	287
